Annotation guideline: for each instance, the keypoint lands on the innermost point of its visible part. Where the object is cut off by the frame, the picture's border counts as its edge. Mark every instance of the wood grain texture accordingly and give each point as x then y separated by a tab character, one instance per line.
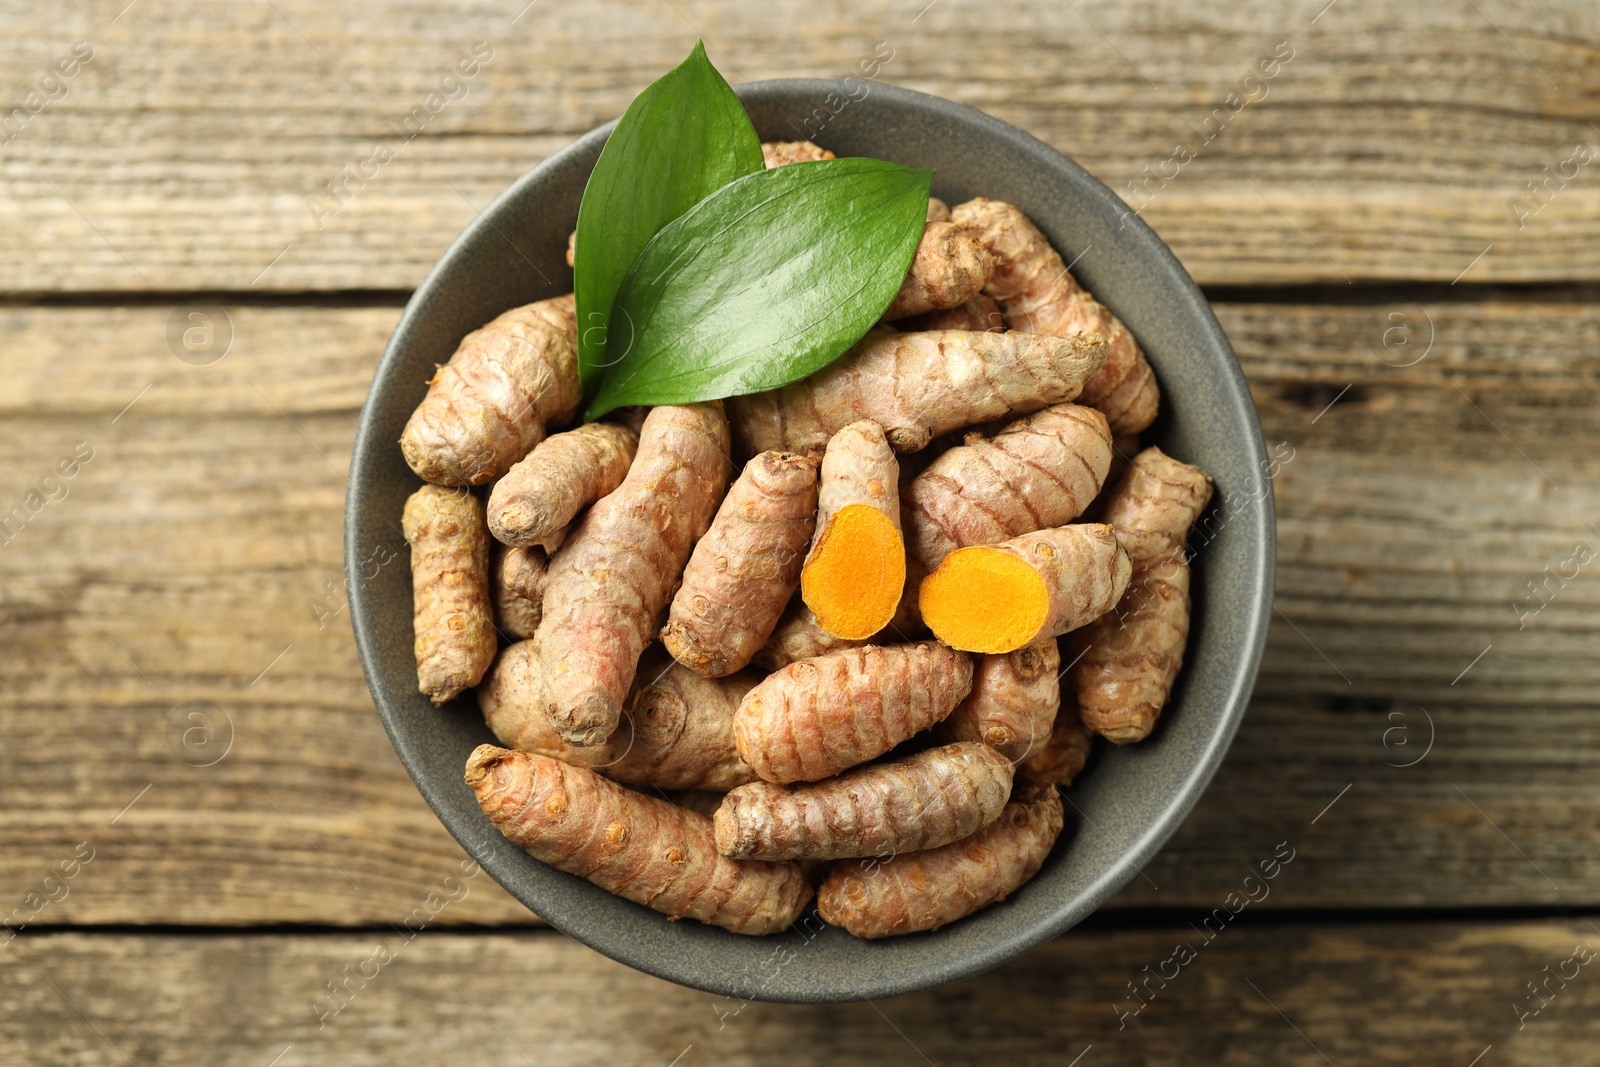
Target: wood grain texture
195	567
193	150
182	702
193	556
1416	512
1260	993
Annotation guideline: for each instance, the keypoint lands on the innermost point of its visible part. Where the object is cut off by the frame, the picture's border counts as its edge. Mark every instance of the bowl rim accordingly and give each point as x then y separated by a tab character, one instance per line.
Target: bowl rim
1259	525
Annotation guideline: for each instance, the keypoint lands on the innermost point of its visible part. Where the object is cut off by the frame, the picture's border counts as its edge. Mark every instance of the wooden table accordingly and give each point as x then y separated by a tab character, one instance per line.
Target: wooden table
203	827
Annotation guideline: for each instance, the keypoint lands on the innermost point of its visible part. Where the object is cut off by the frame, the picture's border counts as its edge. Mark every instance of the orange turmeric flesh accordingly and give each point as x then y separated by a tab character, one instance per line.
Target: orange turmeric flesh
981	600
997	598
855	575
859	552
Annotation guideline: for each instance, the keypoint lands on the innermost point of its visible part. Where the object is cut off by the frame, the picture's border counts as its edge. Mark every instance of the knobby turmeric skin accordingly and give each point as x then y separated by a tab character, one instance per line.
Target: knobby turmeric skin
997	598
1128	661
1038	295
746	567
1156	502
646	850
619	567
1066	752
517	578
1013	703
676	730
1123	448
566	473
1038	472
454	622
820	716
949	267
918	386
926	800
493	401
924	890
855	571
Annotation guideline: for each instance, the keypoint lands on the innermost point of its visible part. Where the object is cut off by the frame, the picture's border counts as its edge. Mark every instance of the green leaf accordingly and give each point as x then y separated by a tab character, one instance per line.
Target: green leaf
764	282
680	140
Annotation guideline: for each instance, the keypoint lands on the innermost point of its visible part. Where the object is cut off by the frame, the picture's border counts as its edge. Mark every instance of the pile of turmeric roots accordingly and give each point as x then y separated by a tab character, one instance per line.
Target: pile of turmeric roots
797	725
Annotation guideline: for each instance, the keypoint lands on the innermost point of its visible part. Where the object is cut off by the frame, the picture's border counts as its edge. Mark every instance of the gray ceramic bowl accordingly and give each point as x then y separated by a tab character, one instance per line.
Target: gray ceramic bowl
1132	799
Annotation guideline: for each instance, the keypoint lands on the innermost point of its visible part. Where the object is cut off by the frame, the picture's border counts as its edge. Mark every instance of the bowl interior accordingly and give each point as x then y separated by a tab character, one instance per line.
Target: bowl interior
1130	801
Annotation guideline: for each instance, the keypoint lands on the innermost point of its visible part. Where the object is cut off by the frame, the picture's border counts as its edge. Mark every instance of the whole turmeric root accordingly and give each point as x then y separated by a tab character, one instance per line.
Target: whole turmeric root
927	800
566	473
924	890
782	153
676	731
746	567
1128	661
917	386
949	267
646	850
1038	472
1040	296
855	571
516	585
820	716
1013	703
454	624
620	565
1063	756
978	312
491	403
997	598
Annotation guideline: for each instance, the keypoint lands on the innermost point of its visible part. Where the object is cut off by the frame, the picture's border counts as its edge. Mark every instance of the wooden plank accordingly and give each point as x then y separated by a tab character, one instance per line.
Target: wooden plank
1397	142
195	567
192	557
1264	993
1409	663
